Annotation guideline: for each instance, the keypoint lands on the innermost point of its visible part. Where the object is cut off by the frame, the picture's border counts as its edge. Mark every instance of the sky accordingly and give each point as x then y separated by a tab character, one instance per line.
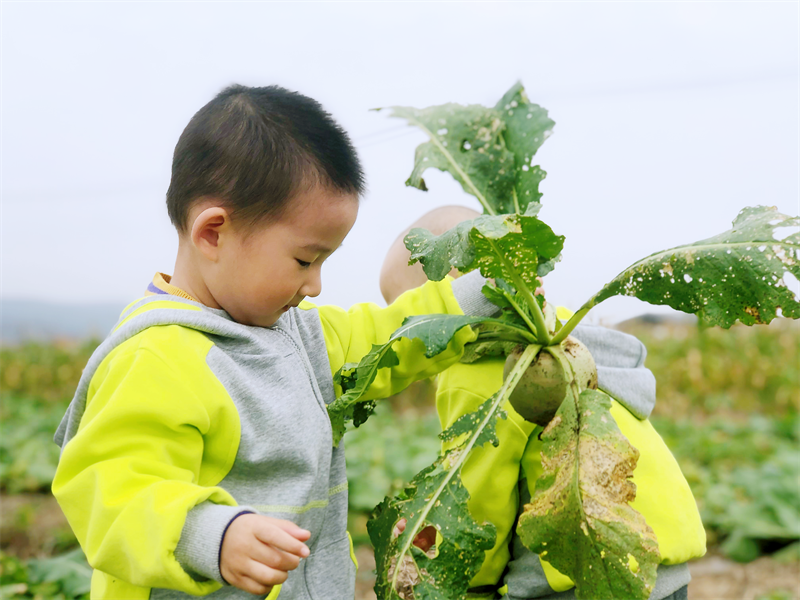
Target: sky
670	118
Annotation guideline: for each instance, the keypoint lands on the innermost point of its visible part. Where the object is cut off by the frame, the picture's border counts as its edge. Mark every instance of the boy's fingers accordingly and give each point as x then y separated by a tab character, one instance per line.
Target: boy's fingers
251	585
274	558
278	538
399	528
293	529
264	575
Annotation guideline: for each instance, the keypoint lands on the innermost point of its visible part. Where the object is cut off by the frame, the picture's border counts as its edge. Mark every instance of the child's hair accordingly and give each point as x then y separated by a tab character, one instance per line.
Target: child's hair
255	149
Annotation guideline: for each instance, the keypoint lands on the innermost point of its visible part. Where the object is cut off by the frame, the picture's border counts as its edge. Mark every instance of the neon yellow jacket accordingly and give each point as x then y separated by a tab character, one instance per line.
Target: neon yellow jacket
184	419
491	474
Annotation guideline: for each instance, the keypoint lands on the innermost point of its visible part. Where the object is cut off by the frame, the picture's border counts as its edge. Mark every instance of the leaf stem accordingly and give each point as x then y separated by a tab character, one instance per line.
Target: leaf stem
571	324
501	398
558	353
538	317
519	310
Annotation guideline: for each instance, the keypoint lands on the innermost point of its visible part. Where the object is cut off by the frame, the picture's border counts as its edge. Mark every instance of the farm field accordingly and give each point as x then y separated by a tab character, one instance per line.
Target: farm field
728	407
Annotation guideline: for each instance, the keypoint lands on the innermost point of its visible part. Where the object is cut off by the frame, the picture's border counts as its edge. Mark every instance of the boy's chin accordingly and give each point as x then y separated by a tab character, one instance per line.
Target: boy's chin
259	320
267	321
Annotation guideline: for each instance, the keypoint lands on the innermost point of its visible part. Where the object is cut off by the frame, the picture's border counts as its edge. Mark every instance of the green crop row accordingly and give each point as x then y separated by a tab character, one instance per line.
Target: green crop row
65	577
745	478
736	372
28	455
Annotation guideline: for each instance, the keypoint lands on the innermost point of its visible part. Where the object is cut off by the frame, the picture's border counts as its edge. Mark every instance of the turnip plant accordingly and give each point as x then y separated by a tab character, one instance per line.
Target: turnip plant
580	514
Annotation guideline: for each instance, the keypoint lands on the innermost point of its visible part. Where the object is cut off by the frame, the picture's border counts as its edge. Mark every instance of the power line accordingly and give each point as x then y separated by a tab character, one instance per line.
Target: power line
369	136
402	134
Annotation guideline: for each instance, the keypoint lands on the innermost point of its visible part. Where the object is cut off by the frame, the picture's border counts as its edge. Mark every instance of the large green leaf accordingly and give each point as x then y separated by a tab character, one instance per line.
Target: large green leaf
487	150
434	332
511	247
579	519
436	497
466	142
739	274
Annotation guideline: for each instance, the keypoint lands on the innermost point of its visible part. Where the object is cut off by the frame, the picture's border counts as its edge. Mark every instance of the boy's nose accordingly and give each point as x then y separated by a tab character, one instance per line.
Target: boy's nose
312	287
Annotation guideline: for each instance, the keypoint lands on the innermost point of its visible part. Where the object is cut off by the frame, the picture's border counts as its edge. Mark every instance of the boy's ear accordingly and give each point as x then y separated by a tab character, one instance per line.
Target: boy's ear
207	228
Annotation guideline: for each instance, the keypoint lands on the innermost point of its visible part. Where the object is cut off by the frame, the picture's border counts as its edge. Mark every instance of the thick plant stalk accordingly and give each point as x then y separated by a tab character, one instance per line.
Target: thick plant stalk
558	353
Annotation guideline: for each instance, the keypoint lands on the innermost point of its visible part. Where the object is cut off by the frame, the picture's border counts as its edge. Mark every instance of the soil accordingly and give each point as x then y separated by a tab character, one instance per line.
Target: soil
33	526
717	578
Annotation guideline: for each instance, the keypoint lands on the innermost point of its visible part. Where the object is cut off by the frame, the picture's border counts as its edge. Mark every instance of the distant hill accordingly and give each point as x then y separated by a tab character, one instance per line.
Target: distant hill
653	319
24	320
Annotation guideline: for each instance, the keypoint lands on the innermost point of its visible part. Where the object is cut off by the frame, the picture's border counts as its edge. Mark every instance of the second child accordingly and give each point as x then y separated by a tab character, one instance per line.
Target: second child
501	479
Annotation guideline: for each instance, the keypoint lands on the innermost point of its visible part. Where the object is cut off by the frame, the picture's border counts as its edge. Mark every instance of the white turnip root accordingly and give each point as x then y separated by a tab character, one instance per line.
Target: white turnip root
544	385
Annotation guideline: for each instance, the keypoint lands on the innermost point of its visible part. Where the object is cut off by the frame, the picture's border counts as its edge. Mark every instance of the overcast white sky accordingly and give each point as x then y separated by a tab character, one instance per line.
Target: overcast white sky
670	118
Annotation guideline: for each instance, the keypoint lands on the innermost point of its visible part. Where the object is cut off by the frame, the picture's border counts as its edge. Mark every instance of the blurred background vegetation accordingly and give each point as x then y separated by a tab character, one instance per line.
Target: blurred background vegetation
727	407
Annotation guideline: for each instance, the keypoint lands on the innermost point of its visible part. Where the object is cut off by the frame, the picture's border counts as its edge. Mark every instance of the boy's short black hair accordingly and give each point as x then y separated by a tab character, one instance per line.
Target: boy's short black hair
255	148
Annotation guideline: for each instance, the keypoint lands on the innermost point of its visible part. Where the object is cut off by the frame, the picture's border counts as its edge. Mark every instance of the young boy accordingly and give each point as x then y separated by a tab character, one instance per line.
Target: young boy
500	479
197	453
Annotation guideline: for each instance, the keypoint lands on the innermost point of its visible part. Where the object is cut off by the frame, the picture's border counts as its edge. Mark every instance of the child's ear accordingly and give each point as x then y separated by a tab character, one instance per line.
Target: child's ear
207	228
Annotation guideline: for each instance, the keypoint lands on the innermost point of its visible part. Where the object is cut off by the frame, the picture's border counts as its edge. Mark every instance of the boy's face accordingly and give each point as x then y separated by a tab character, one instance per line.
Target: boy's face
260	276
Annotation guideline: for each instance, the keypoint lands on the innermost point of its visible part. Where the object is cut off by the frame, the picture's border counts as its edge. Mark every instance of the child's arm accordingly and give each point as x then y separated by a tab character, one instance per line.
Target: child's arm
127	480
349	335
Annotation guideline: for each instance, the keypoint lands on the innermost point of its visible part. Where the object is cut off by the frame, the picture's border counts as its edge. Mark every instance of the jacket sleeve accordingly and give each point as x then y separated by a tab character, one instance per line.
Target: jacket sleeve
128	478
350	334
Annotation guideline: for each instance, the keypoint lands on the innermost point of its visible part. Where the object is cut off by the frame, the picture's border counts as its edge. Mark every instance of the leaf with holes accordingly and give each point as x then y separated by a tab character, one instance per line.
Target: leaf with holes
741	274
527	127
511	247
579	519
435	496
487	150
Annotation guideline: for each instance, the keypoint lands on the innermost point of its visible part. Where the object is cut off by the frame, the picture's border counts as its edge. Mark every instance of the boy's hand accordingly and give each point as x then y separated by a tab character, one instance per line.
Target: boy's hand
258	552
425	538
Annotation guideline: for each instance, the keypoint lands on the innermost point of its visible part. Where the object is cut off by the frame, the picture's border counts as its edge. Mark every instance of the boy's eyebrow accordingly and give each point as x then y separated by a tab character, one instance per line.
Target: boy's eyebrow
319	248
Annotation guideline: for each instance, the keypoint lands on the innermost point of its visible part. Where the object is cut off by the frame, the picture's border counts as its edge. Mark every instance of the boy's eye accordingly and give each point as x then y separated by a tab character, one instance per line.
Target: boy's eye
303	263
